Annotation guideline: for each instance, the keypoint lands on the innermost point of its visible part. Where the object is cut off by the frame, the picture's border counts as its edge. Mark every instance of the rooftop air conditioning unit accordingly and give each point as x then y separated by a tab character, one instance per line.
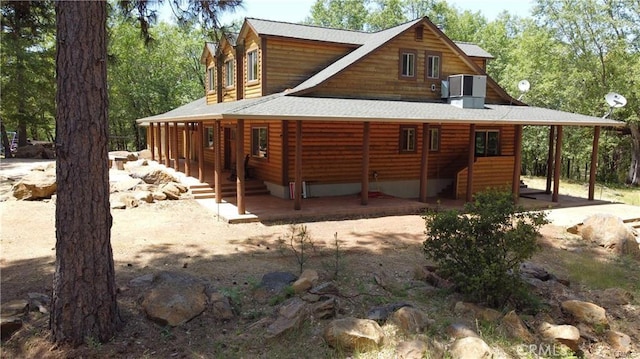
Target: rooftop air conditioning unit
467	91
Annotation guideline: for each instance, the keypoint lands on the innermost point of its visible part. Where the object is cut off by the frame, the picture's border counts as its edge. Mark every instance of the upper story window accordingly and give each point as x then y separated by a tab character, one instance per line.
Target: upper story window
407	138
434	139
229	73
487	143
259	141
407	68
211	79
433	64
252	65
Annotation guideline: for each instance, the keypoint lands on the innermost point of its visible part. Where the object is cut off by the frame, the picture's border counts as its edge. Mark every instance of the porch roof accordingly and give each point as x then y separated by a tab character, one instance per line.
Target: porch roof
287	107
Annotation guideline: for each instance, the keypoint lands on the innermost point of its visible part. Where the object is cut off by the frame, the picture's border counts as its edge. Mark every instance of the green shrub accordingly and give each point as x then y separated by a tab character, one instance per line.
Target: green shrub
481	249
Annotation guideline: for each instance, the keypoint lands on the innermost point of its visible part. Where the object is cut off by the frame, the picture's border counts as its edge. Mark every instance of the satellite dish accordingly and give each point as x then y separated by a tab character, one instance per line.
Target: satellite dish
524	85
615	100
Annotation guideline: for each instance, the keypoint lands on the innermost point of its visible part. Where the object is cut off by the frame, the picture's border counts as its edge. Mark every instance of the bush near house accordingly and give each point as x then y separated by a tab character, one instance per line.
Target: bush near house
481	248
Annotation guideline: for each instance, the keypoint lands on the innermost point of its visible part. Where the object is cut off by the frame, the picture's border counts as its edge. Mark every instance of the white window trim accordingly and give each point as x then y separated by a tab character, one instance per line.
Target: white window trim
252	65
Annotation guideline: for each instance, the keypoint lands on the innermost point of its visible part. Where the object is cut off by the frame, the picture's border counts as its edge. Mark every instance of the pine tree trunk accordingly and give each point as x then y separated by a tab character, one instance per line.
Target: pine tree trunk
84	293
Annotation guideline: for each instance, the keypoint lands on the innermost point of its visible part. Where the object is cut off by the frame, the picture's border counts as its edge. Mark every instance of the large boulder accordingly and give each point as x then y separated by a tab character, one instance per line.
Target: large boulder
36	185
354	334
174	299
611	233
410	320
34	151
470	348
586	312
563	334
290	315
515	327
155	176
307	279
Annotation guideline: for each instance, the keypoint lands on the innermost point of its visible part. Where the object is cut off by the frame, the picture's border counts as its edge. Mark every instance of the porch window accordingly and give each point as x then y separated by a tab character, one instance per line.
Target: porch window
229	73
407	139
208	137
252	65
408	63
487	143
259	142
433	64
434	139
211	78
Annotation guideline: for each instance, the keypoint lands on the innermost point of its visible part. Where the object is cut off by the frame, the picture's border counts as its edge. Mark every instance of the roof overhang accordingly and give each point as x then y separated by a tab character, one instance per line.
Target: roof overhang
283	107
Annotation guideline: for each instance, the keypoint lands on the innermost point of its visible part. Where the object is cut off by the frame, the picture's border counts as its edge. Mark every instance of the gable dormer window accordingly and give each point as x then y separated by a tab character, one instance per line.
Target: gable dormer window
252	65
433	64
229	73
407	67
211	79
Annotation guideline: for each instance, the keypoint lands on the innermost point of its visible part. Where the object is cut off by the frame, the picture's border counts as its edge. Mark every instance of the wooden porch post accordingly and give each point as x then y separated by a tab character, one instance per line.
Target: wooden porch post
187	145
424	163
159	137
166	144
240	166
517	164
199	140
471	160
175	151
552	130
297	200
594	162
364	193
557	166
217	145
152	142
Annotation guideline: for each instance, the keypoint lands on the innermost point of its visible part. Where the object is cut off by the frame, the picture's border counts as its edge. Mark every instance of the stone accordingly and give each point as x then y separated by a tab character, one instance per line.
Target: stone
130	156
610	232
142	281
143	196
9	325
382	312
586	312
563	334
387	282
532	270
326	308
156	176
410	320
618	341
123	184
276	281
470	348
353	334
39	302
515	327
36	185
144	154
221	307
170	190
174	299
159	196
459	330
415	349
307	279
290	315
129	200
34	151
478	312
325	288
15	307
427	274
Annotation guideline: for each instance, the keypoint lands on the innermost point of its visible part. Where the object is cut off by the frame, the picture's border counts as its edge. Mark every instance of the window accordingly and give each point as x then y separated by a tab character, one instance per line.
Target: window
259	137
211	77
487	143
434	139
433	65
208	137
407	138
228	72
407	63
252	65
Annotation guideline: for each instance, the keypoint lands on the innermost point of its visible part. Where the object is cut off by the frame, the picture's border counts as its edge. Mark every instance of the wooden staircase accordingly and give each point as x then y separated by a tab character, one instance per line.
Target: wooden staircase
228	189
633	222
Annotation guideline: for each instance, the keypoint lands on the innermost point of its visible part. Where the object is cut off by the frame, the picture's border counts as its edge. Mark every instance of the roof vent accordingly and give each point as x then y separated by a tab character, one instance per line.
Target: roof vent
467	91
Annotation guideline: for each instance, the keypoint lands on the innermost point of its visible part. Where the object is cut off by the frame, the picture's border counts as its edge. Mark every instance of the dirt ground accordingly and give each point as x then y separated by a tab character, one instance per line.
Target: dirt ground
184	237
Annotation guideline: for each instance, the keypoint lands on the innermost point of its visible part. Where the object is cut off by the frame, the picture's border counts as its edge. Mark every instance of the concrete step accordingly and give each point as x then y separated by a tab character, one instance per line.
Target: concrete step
252	188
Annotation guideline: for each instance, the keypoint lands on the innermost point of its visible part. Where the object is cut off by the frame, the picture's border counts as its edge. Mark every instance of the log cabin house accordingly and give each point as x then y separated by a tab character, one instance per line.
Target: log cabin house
324	112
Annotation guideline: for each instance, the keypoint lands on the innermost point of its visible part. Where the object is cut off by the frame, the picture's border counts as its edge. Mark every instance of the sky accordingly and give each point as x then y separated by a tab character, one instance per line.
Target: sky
297	10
